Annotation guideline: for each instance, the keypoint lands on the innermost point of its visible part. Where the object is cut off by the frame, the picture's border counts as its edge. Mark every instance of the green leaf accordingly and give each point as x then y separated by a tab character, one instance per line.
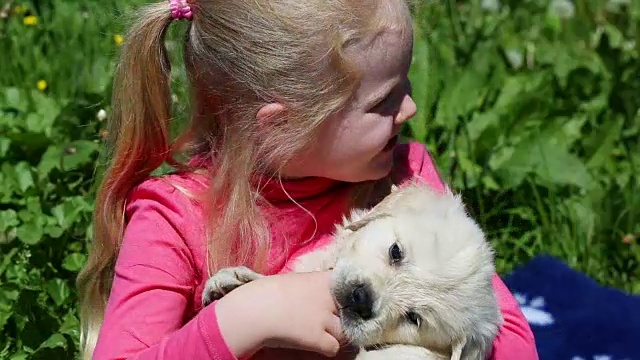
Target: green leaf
51	159
58	290
427	78
67	157
53	231
471	170
70	326
7	259
480	123
23	177
4	146
15	99
79	153
8	123
88	234
35	123
31	232
567	59
518	89
54	341
19	356
7	298
69	211
483	134
34	206
460	97
553	22
52	348
549	160
560	167
582	214
7	189
8	219
607	139
597	104
74	262
615	36
47	112
101	73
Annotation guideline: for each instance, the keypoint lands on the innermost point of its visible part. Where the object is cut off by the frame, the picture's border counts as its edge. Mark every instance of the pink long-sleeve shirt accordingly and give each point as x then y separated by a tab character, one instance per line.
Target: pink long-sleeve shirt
154	309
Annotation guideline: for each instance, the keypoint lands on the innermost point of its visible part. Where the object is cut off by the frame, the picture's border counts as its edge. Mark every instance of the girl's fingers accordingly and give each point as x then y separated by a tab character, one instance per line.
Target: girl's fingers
334	328
329	346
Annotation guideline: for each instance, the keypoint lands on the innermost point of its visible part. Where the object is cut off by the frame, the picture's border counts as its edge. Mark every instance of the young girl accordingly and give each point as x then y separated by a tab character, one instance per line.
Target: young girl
297	107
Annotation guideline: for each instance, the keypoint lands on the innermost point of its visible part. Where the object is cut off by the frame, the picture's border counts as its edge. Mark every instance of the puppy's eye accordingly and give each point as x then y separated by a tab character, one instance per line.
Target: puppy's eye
414	318
395	253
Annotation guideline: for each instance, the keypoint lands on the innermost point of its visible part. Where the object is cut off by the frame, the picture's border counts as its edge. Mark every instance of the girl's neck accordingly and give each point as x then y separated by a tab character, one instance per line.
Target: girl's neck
275	189
278	189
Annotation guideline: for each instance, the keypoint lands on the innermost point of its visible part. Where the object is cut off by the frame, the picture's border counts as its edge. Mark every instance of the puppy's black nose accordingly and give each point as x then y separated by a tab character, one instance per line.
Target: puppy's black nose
361	302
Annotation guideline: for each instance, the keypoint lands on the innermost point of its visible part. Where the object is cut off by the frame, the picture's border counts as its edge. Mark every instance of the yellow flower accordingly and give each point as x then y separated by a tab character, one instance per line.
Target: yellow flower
118	39
30	20
42	85
20	9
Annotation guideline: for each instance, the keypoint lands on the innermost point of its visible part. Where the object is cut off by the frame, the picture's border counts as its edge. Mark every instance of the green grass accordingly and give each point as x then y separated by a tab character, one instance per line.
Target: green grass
534	118
545	149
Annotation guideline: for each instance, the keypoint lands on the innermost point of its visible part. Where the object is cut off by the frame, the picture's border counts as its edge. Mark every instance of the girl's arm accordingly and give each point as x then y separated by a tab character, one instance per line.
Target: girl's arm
153	295
515	339
153	288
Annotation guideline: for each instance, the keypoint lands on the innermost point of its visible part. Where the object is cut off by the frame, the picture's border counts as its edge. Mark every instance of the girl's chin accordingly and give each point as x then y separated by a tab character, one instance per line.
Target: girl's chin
391	144
381	165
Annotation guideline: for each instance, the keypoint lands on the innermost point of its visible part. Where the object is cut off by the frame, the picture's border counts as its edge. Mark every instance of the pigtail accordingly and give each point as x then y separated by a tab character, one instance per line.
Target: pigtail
138	144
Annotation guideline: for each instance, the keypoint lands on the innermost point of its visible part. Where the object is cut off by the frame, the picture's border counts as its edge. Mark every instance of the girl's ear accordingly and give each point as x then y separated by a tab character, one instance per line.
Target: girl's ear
270	113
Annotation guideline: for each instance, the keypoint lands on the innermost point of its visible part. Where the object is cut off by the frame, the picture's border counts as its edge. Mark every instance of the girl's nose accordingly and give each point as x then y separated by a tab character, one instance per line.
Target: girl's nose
408	110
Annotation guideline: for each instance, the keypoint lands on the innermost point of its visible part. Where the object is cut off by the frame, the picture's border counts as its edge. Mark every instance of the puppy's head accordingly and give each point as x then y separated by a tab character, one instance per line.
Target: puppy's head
417	270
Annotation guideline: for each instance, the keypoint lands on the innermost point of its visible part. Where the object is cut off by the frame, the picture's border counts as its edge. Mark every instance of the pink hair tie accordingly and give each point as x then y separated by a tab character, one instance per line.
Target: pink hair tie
180	9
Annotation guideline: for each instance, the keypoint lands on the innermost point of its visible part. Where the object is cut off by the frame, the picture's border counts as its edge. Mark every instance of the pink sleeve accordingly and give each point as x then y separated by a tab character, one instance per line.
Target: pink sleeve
153	288
515	339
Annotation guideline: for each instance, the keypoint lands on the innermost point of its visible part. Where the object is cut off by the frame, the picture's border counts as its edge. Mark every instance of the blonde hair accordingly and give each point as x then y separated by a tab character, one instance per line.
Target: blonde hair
239	56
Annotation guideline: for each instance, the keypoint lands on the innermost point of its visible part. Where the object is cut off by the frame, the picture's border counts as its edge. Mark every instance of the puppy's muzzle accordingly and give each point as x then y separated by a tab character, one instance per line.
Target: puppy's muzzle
357	301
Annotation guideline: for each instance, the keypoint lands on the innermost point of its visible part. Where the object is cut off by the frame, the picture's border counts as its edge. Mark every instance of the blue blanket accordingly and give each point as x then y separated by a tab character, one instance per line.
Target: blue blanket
572	317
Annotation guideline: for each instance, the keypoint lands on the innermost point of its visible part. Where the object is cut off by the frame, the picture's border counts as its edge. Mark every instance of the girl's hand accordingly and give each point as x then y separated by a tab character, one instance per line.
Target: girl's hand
294	311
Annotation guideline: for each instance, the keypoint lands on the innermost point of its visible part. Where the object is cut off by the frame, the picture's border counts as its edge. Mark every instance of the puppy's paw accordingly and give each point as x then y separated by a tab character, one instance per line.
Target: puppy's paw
225	281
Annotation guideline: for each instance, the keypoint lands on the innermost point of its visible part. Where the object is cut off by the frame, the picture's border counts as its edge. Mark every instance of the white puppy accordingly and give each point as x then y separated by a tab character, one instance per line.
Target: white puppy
412	278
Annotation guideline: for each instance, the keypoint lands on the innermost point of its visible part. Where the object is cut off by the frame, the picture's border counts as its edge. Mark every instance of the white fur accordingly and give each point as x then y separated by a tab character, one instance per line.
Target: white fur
445	277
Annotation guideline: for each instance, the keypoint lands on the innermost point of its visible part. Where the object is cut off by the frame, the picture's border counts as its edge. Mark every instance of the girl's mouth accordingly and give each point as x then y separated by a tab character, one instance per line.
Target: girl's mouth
391	144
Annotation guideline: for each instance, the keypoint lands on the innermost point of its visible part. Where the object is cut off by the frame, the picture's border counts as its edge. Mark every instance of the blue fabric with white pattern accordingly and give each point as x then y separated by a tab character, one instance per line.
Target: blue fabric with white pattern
572	317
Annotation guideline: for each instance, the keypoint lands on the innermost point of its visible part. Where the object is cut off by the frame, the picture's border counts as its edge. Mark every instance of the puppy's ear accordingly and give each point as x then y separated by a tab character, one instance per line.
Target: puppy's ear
470	349
458	347
362	222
